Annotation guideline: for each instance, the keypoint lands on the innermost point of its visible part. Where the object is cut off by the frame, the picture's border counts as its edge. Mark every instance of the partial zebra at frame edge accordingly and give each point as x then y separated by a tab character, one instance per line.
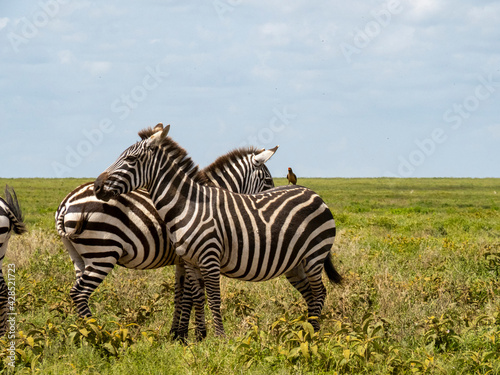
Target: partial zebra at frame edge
10	210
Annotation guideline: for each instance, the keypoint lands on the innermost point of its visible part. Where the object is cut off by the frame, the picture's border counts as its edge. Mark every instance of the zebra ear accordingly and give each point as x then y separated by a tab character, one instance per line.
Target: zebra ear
158	127
165	131
264	156
156	139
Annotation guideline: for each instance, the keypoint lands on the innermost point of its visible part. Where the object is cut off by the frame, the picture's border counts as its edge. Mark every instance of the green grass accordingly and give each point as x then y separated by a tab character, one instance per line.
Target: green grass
421	293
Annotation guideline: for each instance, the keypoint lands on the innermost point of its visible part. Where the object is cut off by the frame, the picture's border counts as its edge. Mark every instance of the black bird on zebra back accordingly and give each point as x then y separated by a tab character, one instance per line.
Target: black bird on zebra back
286	230
128	230
11	220
291	177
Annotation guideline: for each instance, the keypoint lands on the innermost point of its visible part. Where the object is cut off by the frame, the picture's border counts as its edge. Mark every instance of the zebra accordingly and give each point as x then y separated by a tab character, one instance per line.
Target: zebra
128	231
11	220
285	230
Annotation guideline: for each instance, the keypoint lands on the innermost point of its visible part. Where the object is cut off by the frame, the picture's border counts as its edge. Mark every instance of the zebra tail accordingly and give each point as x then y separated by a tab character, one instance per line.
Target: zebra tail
79	228
331	272
15	214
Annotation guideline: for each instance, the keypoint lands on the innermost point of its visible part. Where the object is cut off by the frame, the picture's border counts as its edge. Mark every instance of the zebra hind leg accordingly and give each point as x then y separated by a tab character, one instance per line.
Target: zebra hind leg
90	272
89	280
312	290
315	276
299	281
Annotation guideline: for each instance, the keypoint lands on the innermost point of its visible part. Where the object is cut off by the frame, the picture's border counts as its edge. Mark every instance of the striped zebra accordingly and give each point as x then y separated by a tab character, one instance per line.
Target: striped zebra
11	220
286	230
128	230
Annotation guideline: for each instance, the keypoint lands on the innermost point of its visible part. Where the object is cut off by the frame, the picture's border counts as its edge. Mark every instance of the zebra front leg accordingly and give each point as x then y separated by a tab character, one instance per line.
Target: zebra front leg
210	270
198	299
180	278
194	293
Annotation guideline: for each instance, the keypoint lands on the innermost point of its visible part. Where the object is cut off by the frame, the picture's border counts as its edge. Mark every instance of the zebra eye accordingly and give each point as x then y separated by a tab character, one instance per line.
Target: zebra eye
130	159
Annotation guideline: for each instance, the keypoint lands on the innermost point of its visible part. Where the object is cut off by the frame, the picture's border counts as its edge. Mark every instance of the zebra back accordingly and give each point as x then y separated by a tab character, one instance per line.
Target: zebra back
240	170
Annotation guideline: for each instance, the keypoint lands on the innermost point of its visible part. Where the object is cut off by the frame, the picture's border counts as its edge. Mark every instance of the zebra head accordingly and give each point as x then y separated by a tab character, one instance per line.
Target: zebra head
242	170
132	169
261	174
258	178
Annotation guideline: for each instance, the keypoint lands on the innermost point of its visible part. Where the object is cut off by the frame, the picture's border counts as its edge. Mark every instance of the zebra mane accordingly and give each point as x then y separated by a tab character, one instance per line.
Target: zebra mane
147	133
231	157
177	153
15	214
187	163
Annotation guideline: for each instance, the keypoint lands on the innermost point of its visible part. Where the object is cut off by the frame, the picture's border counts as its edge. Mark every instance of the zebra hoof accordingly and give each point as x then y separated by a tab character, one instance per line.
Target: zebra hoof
180	336
314	321
174	335
201	335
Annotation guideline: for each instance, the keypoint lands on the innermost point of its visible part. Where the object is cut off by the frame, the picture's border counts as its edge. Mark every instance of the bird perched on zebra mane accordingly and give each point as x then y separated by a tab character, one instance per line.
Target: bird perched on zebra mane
292	178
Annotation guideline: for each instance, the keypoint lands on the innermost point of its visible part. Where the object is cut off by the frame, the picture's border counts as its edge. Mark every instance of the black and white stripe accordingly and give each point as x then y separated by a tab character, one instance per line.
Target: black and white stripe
11	220
285	230
128	230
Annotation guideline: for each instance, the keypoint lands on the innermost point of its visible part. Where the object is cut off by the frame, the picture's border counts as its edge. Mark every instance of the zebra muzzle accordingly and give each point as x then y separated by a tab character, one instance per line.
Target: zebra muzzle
99	188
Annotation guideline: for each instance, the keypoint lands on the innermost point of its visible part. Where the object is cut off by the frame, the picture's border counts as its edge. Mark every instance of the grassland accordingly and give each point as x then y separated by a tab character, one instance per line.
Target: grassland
421	294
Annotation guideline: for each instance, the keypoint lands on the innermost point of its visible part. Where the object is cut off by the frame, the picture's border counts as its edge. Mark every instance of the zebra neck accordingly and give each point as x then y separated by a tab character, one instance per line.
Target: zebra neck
228	180
175	194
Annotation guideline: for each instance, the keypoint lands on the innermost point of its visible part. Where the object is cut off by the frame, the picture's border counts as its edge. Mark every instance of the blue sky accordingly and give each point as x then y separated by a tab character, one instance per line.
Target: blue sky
360	89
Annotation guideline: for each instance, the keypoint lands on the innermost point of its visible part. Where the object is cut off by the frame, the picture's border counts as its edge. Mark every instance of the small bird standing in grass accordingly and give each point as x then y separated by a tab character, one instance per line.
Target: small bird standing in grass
292	179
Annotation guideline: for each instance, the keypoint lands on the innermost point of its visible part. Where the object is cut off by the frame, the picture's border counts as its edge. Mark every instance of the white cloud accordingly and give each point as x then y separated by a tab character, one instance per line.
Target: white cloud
77	37
3	22
65	56
395	42
485	14
494	131
97	67
423	9
276	34
262	69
